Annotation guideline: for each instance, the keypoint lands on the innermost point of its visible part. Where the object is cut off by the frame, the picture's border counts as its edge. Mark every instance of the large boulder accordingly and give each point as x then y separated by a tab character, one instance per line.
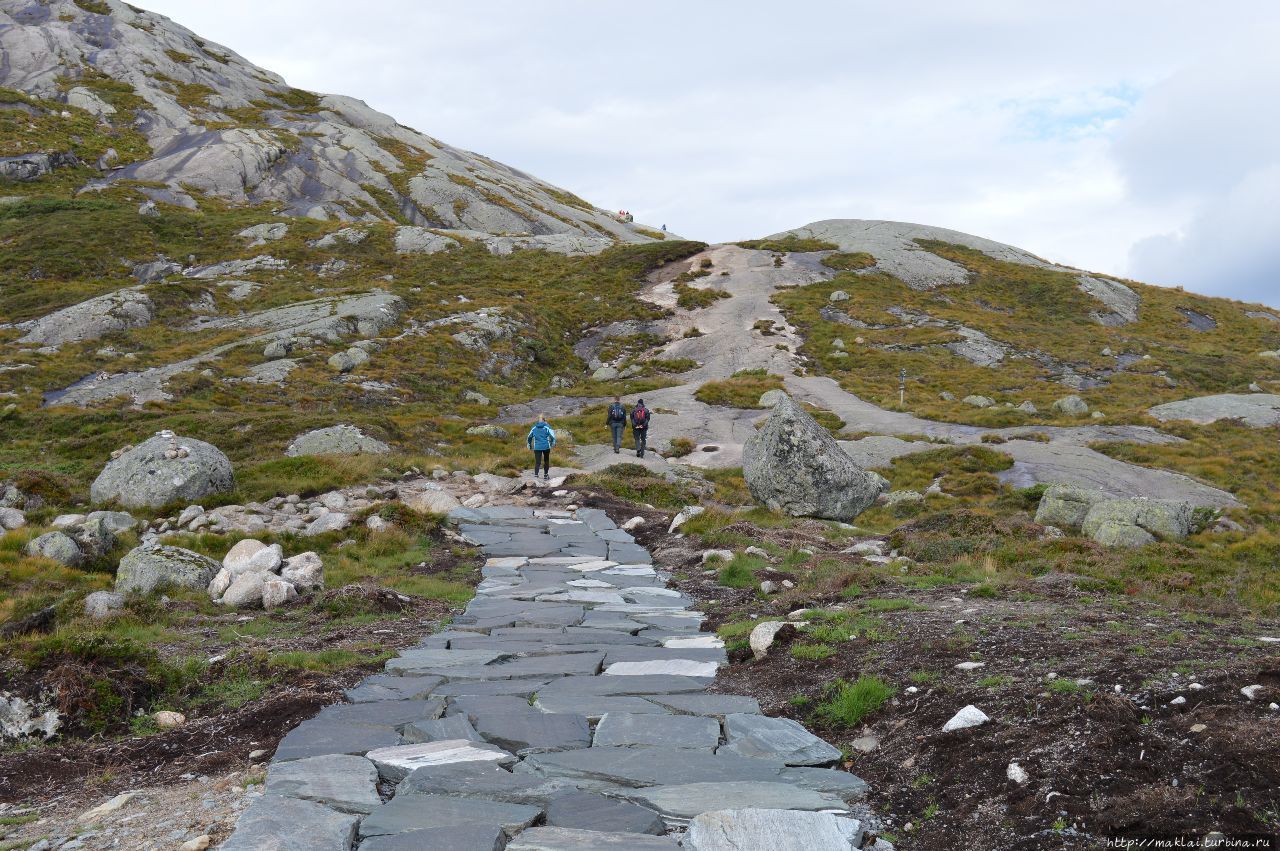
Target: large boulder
795	465
336	440
1136	522
150	567
1072	406
1065	506
162	470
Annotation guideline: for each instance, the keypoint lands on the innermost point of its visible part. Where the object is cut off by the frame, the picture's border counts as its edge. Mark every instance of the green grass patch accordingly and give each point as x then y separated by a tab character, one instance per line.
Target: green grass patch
849	703
742	390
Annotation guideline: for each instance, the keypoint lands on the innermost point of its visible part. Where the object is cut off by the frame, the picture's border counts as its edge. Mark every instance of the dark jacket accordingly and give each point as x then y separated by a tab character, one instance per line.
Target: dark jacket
640	417
616	415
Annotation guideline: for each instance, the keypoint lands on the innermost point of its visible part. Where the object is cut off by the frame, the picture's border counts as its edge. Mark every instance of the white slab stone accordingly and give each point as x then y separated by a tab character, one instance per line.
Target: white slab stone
777	830
970	716
397	762
592	566
698	642
676	667
588	583
632	570
507	561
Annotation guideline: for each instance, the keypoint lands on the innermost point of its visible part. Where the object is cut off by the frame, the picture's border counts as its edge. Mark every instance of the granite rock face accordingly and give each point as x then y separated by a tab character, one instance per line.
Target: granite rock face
1259	410
795	465
341	439
162	470
1065	506
343	160
89	320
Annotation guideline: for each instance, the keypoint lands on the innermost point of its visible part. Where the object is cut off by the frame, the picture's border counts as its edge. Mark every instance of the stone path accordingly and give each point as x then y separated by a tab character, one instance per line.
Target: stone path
566	709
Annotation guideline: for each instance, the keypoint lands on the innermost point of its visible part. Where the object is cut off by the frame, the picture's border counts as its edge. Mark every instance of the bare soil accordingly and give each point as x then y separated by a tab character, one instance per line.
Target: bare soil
1102	765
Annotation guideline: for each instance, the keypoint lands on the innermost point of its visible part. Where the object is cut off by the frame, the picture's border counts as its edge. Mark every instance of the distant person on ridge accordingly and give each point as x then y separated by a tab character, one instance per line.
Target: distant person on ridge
541	438
640	427
616	420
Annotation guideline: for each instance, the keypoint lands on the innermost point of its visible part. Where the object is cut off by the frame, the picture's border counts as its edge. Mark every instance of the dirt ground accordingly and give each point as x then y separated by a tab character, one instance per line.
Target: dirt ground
1110	752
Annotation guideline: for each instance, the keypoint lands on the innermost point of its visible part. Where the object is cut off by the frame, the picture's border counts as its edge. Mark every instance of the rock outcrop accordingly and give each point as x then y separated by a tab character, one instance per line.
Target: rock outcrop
1137	522
1259	410
89	320
254	139
341	439
162	470
795	465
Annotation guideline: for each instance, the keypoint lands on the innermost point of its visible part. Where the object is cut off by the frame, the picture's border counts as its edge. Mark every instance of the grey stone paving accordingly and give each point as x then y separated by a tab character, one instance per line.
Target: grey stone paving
565	709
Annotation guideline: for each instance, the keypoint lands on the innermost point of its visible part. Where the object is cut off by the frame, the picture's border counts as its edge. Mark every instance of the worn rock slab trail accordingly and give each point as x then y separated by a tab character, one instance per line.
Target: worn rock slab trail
729	342
566	708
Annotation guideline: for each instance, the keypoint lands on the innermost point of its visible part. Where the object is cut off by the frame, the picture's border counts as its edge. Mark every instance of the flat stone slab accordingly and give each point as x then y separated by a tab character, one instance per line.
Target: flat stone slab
289	824
787	830
687	800
410	662
629	553
484	780
527	667
478	688
668	667
473	837
412	811
345	783
850	787
627	653
321	738
680	642
650	766
668	731
473	706
395	763
594	707
533	730
588	811
391	687
441	730
612	686
782	739
718	705
383	713
569	839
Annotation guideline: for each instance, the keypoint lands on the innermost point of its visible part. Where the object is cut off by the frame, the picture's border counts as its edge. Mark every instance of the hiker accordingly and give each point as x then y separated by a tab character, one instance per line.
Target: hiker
616	420
541	438
640	427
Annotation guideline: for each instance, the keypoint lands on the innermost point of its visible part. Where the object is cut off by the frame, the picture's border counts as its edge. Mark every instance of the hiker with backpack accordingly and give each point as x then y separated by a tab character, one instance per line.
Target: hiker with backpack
541	438
616	420
640	427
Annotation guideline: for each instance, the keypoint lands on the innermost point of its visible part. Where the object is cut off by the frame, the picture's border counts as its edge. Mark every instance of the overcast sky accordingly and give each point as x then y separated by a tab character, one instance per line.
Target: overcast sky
1139	138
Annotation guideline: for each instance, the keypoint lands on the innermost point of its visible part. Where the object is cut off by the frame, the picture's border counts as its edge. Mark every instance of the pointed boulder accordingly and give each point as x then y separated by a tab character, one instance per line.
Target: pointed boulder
795	465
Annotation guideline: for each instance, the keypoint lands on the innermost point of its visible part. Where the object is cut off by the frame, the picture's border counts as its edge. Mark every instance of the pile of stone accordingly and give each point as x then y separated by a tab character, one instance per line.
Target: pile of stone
254	574
329	512
1115	522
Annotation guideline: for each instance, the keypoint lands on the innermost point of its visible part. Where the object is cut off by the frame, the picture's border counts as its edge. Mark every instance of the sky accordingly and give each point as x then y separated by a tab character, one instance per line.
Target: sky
1139	139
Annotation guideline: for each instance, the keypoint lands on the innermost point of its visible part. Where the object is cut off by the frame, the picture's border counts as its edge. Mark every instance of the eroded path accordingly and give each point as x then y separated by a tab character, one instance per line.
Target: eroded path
567	708
729	342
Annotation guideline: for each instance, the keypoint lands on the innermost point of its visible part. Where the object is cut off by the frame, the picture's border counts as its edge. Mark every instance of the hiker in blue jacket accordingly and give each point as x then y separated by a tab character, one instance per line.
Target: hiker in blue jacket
640	427
616	420
541	438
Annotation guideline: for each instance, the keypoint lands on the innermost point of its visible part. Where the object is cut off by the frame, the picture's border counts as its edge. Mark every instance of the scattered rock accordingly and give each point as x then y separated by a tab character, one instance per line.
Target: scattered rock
489	430
795	465
717	555
1072	406
768	587
56	546
277	592
167	720
1251	692
151	567
687	513
103	604
764	634
970	716
838	295
264	233
476	398
1066	506
979	401
347	361
245	591
1017	773
1136	522
304	571
432	502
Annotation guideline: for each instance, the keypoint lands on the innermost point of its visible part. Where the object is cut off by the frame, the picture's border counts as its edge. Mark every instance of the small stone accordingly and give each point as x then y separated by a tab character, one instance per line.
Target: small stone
198	844
1251	692
1178	701
768	587
1017	773
1198	728
717	555
970	716
277	592
970	666
632	524
167	720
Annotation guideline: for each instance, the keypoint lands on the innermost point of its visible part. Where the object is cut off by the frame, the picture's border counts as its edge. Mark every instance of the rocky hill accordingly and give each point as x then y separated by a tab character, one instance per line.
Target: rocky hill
211	123
1002	531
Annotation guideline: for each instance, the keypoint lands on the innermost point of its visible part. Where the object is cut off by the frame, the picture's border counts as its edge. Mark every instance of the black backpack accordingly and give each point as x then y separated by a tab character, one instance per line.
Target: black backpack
617	413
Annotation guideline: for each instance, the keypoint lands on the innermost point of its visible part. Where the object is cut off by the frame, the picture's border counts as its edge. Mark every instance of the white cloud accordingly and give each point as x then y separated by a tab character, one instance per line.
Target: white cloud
1063	128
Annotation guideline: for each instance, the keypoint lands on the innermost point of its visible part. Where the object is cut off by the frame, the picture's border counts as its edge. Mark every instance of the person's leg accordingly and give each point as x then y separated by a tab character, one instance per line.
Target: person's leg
644	441
617	437
546	464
